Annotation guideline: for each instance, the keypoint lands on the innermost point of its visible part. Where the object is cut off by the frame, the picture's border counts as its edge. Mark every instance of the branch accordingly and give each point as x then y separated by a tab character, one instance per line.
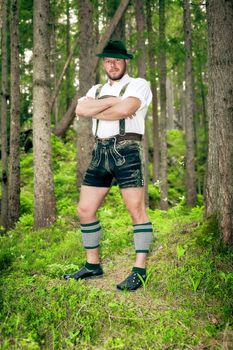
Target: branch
57	88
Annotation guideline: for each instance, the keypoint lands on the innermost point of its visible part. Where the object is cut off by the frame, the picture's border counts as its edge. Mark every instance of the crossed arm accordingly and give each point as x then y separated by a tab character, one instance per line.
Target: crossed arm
111	108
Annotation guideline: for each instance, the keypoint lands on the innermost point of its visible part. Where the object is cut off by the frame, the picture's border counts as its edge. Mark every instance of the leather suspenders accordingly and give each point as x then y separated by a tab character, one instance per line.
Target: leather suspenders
121	121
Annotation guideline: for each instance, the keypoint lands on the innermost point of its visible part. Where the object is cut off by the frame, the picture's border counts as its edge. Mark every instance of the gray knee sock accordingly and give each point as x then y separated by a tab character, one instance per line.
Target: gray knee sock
143	234
91	234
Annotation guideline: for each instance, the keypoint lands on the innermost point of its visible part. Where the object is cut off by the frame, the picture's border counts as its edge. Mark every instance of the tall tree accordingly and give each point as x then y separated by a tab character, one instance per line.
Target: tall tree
219	187
141	26
86	79
170	104
68	97
14	170
163	114
53	64
4	98
44	199
152	70
189	109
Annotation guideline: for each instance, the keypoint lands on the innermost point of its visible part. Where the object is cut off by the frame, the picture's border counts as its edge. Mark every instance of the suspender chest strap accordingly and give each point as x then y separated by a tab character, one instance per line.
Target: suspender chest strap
121	121
97	93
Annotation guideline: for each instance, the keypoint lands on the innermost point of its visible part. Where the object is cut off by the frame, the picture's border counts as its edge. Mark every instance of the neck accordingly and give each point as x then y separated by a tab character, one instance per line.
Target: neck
115	81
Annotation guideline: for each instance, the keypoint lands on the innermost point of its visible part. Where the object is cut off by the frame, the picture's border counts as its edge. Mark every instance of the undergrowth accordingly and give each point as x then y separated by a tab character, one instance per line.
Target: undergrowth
185	303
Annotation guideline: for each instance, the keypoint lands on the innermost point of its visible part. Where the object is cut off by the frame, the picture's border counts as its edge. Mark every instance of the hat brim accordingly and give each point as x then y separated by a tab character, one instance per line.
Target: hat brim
128	56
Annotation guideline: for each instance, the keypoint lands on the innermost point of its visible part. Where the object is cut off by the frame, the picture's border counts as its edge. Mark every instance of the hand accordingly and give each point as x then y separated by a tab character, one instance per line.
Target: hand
132	116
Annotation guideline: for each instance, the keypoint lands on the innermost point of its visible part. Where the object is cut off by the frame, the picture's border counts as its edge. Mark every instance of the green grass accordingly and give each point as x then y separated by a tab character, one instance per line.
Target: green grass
186	302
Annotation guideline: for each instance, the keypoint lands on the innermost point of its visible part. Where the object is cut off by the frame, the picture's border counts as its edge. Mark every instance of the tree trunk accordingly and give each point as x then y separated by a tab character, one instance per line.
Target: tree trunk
44	199
163	114
4	98
140	26
170	104
86	80
14	171
68	118
67	53
189	109
219	187
53	66
152	70
204	120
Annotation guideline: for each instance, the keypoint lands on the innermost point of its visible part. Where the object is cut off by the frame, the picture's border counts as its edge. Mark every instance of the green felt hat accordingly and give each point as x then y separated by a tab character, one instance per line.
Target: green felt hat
115	49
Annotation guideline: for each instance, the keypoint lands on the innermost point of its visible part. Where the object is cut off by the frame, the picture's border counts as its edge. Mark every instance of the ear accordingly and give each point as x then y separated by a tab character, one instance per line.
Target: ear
127	61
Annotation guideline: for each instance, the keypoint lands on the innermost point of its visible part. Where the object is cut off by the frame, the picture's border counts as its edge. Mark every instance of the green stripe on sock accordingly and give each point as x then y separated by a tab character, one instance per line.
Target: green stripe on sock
146	223
142	237
90	231
91	234
91	224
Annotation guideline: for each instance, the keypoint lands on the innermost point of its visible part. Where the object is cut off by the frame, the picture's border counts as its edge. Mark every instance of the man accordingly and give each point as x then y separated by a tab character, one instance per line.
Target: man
118	109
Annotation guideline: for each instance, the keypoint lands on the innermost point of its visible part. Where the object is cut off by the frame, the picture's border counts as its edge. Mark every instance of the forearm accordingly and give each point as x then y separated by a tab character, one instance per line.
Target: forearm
110	114
121	110
91	107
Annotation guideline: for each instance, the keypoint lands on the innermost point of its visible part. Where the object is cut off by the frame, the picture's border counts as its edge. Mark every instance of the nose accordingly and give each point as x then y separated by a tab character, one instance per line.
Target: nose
112	63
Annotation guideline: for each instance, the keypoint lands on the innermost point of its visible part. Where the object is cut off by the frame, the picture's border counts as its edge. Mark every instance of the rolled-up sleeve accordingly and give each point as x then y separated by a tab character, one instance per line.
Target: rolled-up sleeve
140	89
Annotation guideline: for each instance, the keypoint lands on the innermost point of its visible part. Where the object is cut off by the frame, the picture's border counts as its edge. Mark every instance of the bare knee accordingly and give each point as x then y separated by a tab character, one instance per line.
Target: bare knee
85	213
138	215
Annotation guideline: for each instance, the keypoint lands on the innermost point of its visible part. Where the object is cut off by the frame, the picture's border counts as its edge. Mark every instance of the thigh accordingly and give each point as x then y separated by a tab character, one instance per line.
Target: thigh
97	175
91	197
130	173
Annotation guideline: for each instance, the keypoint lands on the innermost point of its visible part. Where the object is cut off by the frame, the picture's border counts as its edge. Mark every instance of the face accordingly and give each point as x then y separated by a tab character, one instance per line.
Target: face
115	68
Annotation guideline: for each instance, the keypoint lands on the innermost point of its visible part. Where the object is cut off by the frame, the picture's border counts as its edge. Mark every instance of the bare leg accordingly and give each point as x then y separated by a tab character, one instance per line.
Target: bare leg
135	203
90	200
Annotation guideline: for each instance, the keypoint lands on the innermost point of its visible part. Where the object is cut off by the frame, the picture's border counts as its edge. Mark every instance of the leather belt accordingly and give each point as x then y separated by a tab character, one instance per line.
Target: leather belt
127	136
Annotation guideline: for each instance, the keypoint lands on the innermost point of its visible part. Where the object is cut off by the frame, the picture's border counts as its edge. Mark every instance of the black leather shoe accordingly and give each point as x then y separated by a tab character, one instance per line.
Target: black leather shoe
132	282
84	273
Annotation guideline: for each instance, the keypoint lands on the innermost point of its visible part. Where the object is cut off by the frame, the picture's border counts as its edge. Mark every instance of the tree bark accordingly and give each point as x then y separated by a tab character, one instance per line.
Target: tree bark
140	26
189	104
14	170
170	104
4	98
67	53
219	186
86	79
44	199
163	114
65	122
152	70
53	66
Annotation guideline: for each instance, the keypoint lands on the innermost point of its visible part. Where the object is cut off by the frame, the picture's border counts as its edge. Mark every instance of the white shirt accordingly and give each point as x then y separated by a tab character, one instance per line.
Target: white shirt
137	87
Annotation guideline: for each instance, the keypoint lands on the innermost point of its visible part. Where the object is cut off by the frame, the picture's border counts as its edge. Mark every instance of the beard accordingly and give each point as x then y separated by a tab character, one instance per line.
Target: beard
115	75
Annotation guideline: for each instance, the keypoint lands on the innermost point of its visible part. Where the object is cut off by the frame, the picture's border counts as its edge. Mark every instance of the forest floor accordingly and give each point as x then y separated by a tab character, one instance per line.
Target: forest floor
185	304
